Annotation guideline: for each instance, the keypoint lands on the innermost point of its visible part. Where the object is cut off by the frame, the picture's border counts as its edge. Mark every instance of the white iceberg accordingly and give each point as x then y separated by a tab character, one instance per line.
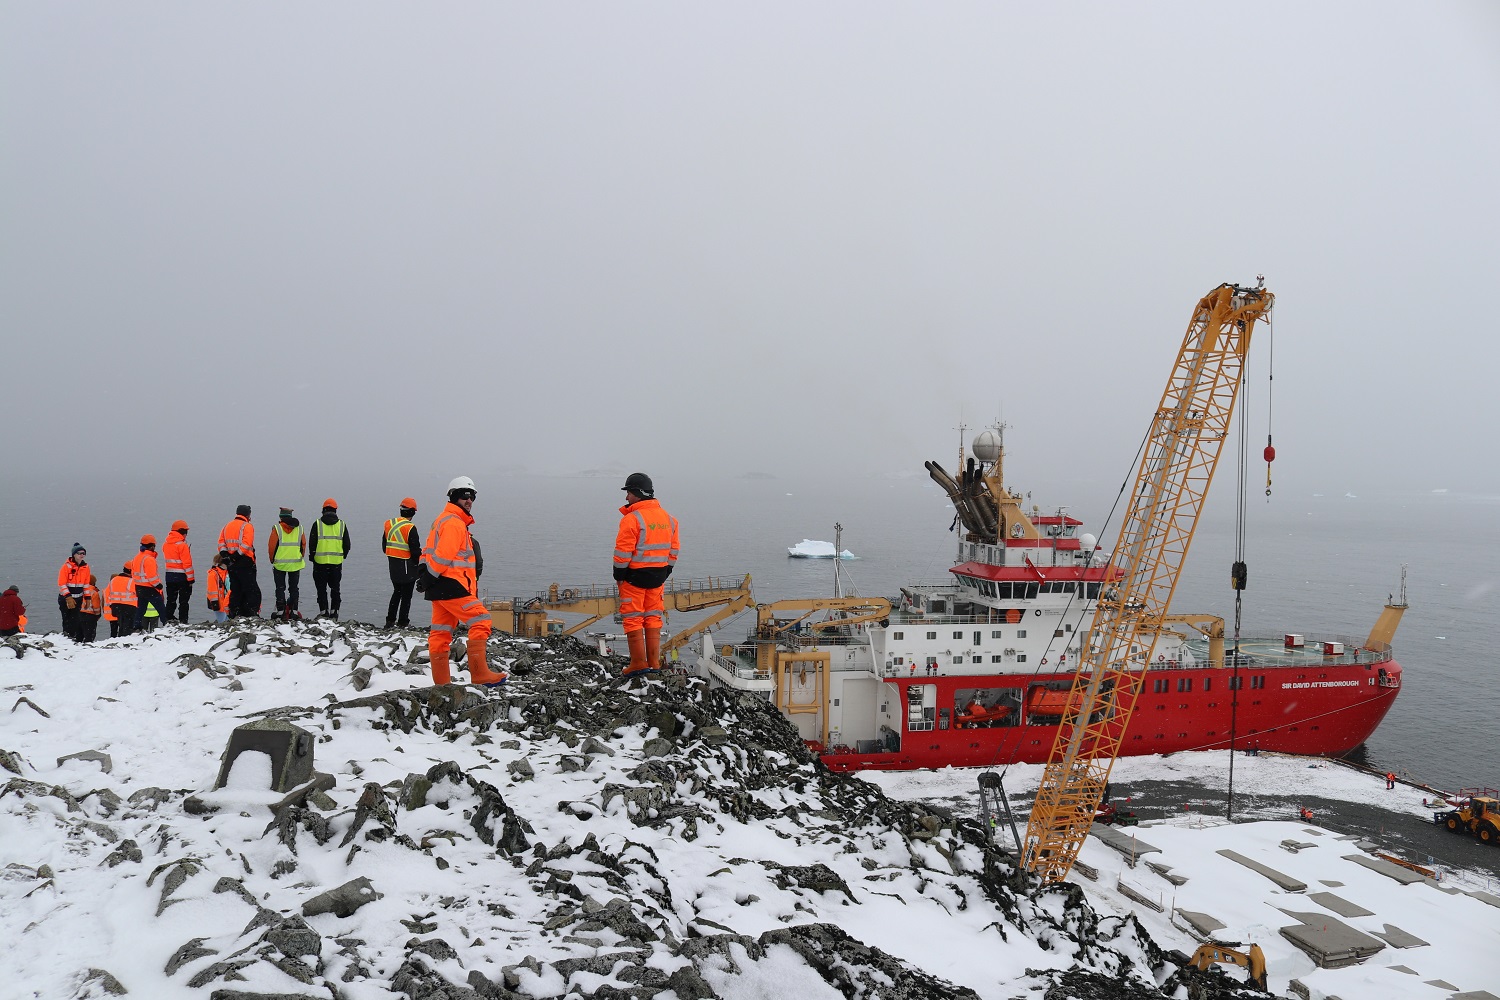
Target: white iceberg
810	548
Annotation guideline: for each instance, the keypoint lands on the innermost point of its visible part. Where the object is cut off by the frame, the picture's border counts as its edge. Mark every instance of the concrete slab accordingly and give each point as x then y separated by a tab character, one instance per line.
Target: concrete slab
1474	995
1402	968
1127	844
1403	875
1282	879
1486	897
1311	830
1331	943
1295	845
1440	984
1330	883
1202	924
1165	871
1339	905
1397	938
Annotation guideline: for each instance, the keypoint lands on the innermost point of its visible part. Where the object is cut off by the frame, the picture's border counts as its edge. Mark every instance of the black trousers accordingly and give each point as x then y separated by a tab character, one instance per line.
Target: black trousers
327	577
179	592
286	588
69	618
88	627
124	622
244	590
399	613
146	597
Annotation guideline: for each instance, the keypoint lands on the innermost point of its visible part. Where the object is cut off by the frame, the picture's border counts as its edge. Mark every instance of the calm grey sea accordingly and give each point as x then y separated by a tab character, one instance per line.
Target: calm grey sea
1318	564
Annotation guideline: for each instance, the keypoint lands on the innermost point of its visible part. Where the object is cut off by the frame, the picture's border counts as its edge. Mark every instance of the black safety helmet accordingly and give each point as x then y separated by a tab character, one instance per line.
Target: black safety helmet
640	484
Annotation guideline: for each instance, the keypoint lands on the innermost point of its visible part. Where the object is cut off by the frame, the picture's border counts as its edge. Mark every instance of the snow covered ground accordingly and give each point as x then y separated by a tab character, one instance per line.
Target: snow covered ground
567	836
1457	918
555	837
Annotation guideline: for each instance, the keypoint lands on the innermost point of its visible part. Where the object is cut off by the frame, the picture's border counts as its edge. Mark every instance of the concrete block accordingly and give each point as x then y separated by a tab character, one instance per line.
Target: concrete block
1397	938
1474	995
97	756
1403	875
1281	879
1141	895
1486	897
289	747
1127	844
1339	905
1202	924
1331	943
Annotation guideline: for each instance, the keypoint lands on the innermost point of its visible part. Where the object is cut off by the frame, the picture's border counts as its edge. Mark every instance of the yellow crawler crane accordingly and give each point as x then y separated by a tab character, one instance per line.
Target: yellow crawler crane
1187	435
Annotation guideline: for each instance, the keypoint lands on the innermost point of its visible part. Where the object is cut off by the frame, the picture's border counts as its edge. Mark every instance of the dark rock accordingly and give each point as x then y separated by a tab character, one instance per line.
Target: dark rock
190	952
294	938
520	770
342	901
128	850
194	806
107	982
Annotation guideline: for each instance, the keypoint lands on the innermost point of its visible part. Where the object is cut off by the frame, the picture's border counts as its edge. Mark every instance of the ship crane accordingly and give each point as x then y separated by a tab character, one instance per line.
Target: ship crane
1182	450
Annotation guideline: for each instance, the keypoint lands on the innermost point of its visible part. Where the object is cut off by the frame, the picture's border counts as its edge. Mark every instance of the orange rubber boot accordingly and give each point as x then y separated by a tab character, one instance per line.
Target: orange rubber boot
653	648
479	667
440	674
638	662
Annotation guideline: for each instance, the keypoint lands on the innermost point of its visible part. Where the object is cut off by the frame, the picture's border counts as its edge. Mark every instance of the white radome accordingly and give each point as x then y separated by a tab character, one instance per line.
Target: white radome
986	446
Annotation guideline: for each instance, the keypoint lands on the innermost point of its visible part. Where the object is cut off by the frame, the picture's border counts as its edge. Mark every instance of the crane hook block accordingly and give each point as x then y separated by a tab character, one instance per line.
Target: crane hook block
1238	575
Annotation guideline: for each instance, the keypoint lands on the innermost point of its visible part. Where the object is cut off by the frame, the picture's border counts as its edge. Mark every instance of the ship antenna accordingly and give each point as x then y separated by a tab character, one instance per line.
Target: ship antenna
838	559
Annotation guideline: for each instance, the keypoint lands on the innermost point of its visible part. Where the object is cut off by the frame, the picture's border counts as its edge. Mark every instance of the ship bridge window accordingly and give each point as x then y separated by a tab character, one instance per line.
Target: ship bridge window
997	634
1093	592
1020	633
932	635
997	658
898	635
978	637
958	659
958	635
1208	683
1184	684
1160	685
1258	681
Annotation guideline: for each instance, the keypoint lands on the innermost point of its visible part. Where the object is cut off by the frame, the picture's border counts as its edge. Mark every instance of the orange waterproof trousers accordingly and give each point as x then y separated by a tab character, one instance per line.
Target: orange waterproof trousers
640	607
460	611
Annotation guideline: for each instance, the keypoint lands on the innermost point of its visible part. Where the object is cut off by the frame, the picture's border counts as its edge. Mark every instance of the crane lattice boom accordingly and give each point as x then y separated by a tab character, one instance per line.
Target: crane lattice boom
1187	436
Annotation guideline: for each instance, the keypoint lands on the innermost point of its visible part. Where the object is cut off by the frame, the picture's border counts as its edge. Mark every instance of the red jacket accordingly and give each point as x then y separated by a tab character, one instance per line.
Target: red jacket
11	609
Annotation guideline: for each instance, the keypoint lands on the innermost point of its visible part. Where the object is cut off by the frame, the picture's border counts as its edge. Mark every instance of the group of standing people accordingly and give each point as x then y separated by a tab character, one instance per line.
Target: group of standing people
152	588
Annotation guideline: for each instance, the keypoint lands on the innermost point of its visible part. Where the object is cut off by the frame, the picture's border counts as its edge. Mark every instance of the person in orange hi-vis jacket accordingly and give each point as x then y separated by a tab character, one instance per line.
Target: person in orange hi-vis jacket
145	571
71	579
238	539
218	587
646	548
449	578
179	568
119	597
89	609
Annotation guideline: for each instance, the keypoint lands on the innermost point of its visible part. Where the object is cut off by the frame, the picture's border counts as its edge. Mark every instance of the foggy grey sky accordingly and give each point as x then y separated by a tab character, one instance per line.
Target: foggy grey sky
702	237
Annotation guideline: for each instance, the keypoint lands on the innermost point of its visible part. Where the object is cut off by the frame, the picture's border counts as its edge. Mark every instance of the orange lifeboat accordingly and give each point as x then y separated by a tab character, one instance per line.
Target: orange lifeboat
978	714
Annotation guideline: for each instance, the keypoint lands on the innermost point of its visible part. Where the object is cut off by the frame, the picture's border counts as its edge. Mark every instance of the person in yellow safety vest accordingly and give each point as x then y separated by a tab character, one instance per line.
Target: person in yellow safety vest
330	545
403	550
119	595
646	548
287	547
219	587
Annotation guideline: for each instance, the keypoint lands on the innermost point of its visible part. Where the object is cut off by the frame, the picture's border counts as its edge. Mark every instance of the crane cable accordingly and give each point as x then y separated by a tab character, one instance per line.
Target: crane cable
1238	574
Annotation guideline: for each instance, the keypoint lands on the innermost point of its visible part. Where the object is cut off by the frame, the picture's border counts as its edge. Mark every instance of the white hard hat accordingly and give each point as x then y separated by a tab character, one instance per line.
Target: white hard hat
462	483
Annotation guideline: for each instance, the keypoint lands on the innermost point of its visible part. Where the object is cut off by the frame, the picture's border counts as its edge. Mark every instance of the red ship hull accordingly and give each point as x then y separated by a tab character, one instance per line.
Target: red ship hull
1314	709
